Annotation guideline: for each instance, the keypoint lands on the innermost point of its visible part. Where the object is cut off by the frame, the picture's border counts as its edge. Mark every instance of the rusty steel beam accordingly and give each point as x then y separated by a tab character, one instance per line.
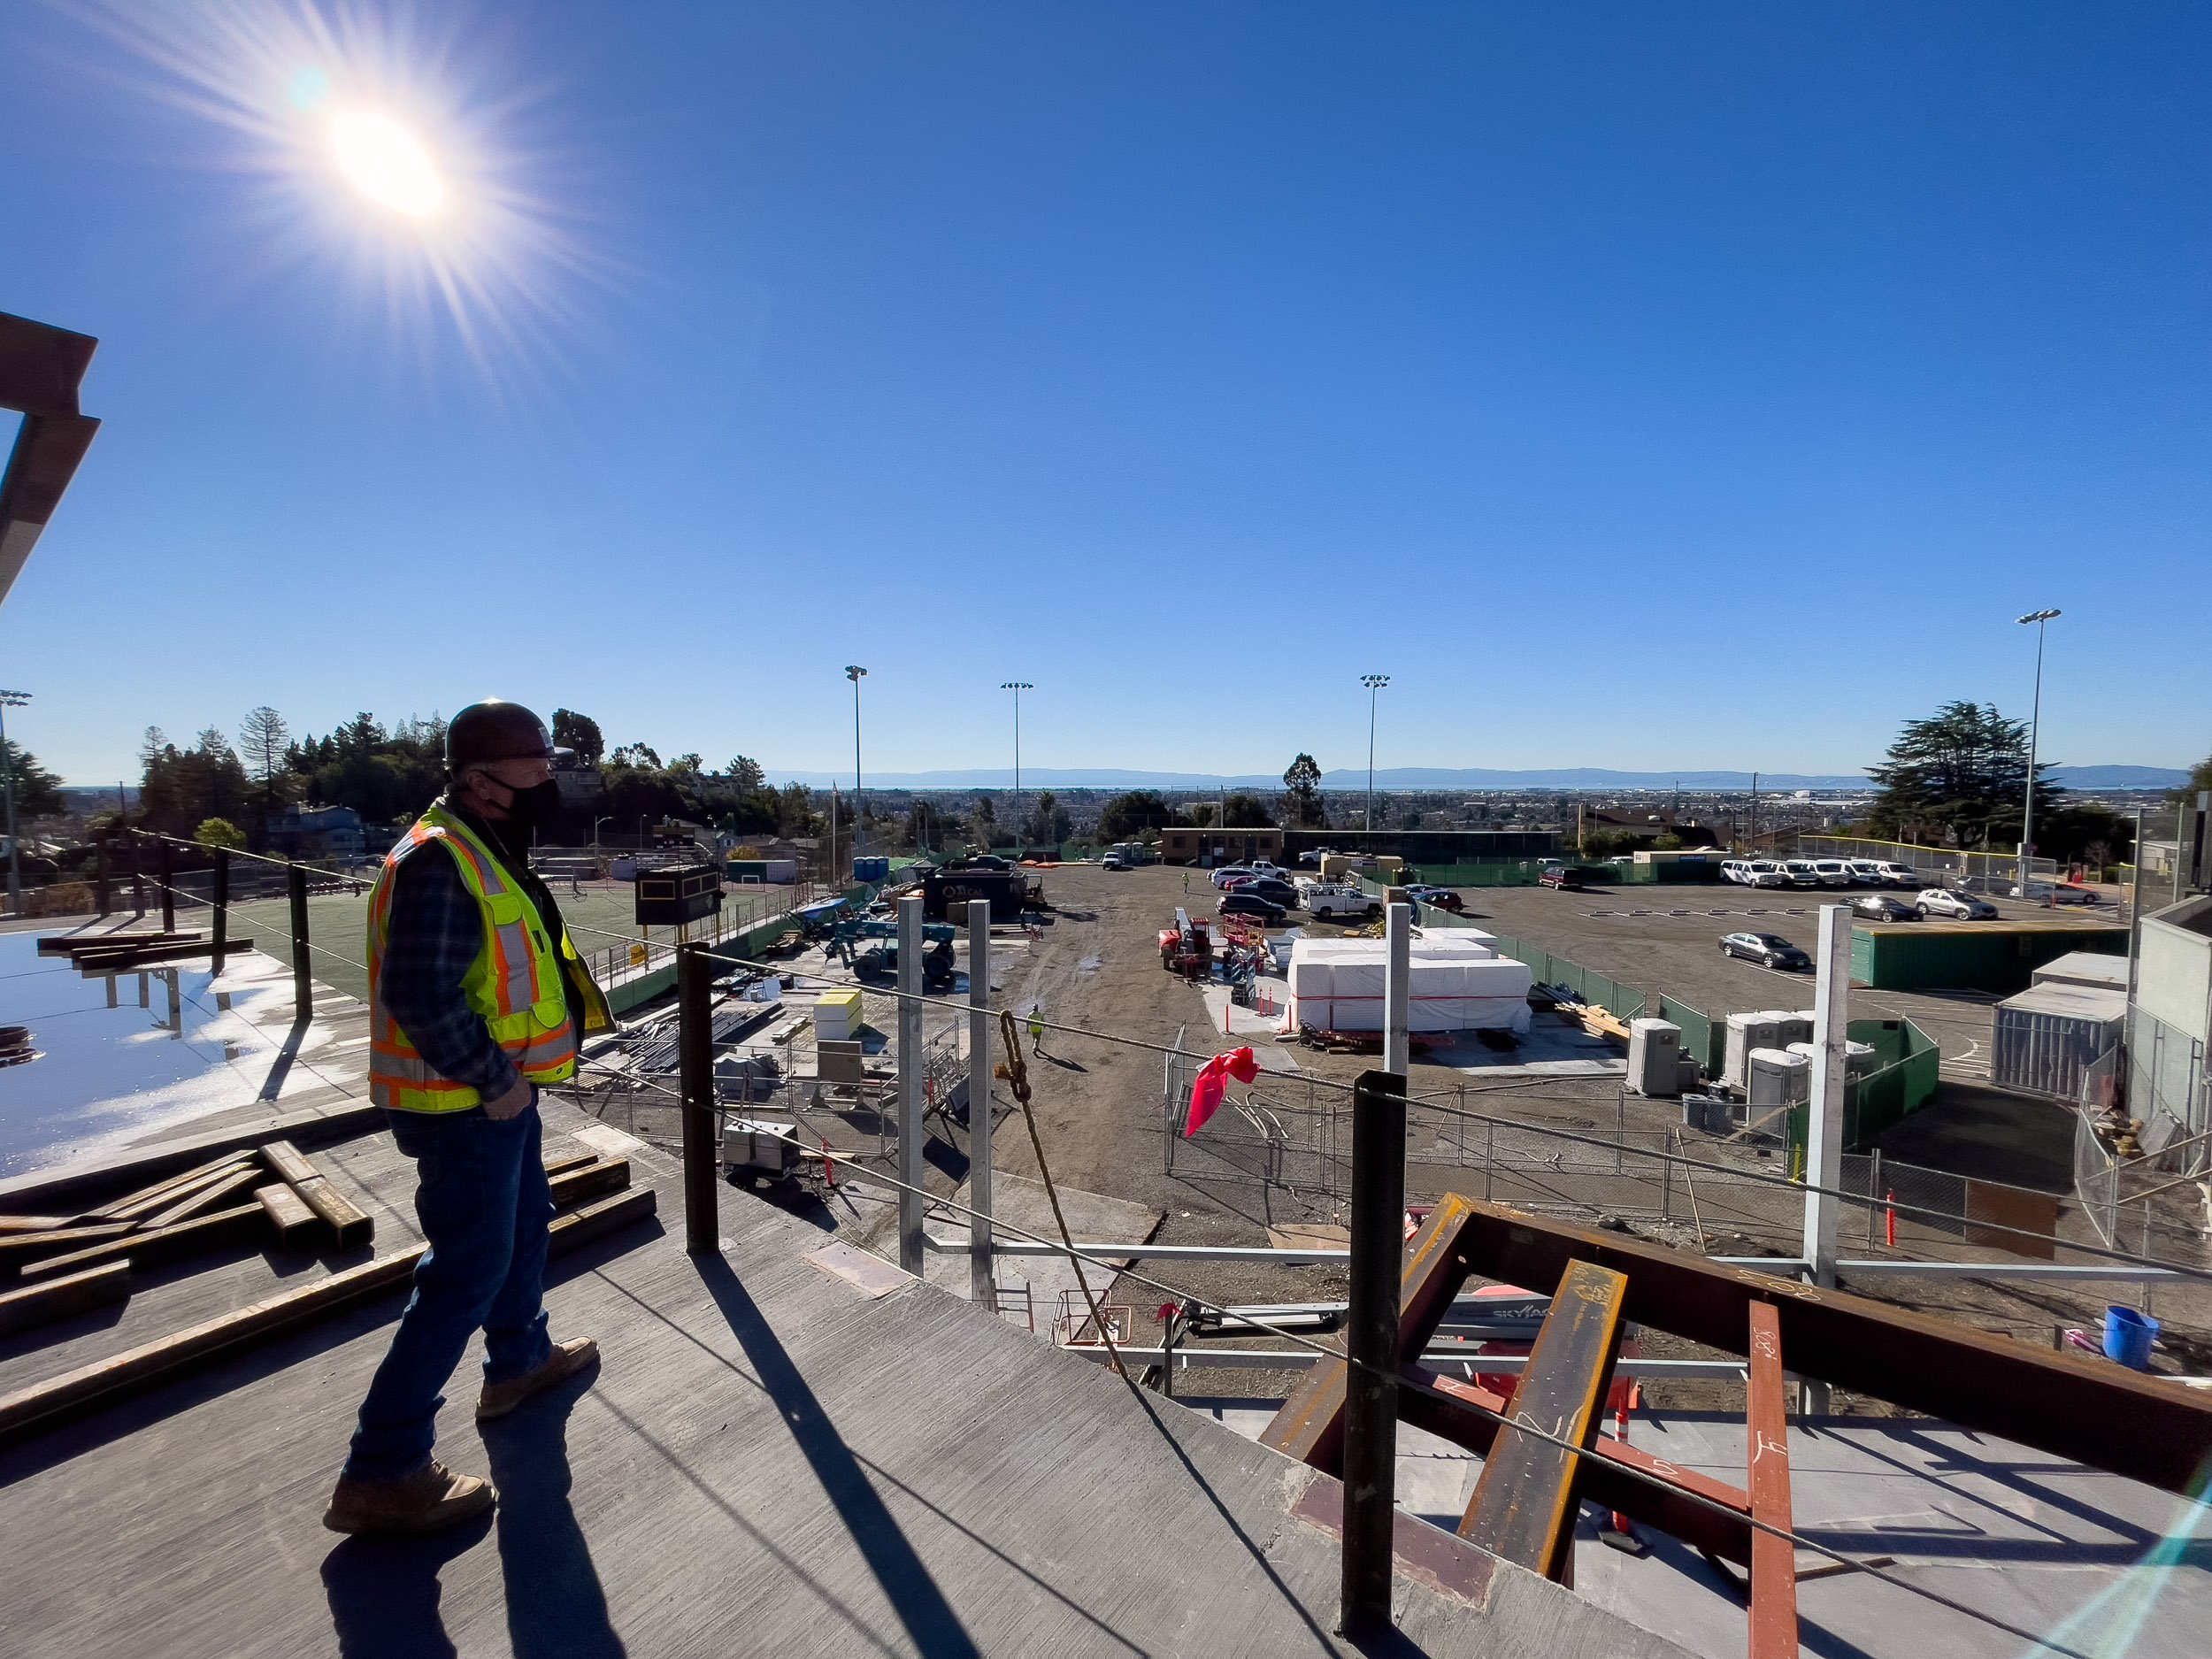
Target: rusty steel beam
1767	1457
40	368
1310	1426
2087	1410
1524	1506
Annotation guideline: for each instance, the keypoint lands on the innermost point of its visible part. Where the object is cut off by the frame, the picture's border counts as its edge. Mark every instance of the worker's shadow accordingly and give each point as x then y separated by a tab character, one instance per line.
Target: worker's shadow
384	1593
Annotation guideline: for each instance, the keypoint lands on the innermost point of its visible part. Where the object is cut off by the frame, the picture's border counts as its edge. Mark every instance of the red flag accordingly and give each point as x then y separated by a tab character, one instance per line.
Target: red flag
1211	1083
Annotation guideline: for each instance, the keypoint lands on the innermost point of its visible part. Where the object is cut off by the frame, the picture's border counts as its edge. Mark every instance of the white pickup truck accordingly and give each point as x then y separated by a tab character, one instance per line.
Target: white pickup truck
1330	898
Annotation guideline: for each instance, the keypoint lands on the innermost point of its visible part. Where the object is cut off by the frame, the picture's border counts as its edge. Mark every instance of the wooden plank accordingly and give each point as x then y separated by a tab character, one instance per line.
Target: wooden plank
1773	1560
349	1222
92	1180
32	1223
1524	1507
203	1198
132	1205
2080	1408
92	962
106	1381
19	1250
597	1179
146	1249
560	1164
1310	1426
58	1298
69	944
295	1223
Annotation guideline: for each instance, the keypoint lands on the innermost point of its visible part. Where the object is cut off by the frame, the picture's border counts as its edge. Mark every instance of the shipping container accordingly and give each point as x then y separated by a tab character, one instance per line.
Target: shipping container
2048	1035
2085	967
1995	956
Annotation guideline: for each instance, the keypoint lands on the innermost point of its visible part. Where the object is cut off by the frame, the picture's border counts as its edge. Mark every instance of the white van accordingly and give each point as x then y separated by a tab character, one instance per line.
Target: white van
1867	872
1896	875
1801	873
1765	872
1834	872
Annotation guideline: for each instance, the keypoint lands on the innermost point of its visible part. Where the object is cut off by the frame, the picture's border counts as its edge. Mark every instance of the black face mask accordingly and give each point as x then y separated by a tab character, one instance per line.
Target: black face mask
534	806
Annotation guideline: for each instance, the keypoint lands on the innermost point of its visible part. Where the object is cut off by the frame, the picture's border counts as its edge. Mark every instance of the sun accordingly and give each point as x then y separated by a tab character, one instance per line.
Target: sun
387	163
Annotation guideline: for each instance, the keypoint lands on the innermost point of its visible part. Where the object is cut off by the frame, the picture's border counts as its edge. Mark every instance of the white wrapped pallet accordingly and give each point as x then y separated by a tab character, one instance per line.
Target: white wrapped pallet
1458	984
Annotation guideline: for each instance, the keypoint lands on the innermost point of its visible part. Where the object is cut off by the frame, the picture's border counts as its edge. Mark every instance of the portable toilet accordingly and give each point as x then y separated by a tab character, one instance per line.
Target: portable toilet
1747	1031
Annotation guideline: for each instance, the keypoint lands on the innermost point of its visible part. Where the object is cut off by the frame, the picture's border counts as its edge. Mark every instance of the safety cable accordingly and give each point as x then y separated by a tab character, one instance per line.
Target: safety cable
1434	1103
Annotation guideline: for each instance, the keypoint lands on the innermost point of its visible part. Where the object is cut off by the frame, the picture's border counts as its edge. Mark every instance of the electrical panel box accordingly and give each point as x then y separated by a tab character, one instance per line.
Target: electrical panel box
1655	1054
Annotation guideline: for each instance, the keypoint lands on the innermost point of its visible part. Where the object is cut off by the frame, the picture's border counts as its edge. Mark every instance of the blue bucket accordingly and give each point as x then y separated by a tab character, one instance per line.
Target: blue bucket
2128	1336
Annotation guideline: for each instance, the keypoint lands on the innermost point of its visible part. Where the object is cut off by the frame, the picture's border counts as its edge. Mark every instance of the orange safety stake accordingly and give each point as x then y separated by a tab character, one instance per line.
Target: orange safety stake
1892	1213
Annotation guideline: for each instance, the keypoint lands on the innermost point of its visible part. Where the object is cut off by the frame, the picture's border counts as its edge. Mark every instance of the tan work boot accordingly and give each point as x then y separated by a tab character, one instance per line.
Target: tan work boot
566	1359
431	1497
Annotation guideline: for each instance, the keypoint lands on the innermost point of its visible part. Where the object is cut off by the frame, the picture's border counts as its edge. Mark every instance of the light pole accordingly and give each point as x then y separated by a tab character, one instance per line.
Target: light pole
12	699
2035	722
1018	687
856	674
595	823
1374	684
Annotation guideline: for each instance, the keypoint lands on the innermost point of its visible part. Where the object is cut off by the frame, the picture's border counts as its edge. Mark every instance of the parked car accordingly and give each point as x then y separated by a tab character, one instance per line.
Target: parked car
1227	874
1251	904
1337	898
1884	906
1566	877
1801	873
1114	861
1962	907
1270	888
1443	898
1769	950
2063	893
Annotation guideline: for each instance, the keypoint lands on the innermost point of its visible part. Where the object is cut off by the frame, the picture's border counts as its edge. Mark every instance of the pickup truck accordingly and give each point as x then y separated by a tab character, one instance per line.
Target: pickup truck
1338	899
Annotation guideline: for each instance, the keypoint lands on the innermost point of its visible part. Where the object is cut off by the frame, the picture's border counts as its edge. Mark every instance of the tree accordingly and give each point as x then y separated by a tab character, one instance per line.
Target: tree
639	756
689	766
386	776
37	791
1126	818
1246	812
794	810
924	829
2200	780
180	787
219	831
1303	809
1049	822
580	733
265	742
1957	779
747	775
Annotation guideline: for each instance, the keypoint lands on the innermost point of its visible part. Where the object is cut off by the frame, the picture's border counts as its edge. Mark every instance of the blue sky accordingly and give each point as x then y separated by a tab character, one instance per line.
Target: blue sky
1639	387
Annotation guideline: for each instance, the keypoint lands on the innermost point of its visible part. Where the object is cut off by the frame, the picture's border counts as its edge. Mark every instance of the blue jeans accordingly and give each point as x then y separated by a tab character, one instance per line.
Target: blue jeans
484	1205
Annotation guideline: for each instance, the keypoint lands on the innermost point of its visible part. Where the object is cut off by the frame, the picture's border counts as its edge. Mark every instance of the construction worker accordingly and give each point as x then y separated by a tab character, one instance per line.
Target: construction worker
1037	1028
477	999
1186	884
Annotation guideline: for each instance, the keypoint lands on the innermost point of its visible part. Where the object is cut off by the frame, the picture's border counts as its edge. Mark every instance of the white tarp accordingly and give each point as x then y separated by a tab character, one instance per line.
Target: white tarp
1459	983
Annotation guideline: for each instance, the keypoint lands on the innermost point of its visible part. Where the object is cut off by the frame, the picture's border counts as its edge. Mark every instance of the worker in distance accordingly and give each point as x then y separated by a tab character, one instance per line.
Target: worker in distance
477	1000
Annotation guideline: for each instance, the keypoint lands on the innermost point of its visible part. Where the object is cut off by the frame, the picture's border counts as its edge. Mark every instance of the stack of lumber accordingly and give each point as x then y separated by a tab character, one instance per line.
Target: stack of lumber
54	1266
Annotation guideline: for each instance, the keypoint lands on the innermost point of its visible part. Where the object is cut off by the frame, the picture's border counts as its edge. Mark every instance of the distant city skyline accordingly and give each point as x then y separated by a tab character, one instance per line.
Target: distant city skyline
1638	388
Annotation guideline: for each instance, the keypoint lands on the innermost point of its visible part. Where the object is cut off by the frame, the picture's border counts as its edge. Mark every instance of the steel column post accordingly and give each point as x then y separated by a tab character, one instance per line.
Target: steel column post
101	895
168	879
982	1286
221	897
1370	1406
694	1049
138	880
1824	1132
1397	987
302	989
912	1062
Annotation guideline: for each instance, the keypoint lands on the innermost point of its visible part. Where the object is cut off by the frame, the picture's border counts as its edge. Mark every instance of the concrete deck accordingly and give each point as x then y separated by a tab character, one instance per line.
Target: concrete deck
779	1455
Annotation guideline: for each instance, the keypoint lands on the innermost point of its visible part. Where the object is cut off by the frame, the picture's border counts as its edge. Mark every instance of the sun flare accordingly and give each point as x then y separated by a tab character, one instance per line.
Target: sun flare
388	164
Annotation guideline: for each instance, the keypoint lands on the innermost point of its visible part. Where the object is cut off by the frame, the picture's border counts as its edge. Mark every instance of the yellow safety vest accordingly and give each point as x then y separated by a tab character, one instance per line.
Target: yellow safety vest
515	984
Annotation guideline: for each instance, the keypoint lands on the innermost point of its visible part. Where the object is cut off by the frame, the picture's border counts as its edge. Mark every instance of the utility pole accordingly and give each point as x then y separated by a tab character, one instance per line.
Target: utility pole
1018	687
2035	722
1374	684
12	700
856	674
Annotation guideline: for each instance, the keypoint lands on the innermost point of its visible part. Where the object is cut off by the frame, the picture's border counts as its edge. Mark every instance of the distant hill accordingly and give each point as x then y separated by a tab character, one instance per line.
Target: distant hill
1348	779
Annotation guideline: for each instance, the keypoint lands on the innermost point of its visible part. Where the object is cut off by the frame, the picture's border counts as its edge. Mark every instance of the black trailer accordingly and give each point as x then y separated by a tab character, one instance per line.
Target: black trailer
947	894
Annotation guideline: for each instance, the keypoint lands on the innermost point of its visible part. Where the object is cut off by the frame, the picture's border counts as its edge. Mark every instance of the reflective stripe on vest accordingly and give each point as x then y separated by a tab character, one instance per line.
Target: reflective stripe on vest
515	984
